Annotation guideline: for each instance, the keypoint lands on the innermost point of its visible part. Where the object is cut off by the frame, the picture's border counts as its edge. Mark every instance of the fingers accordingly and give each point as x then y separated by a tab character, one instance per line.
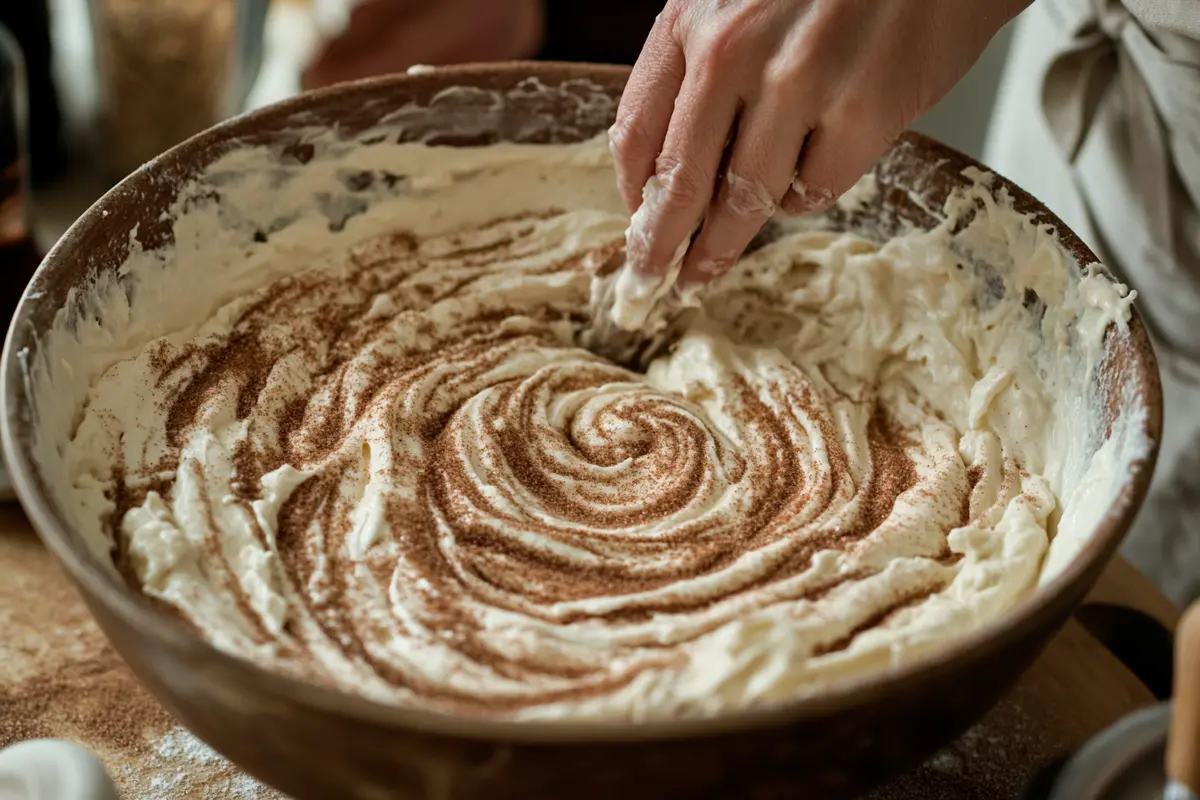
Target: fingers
644	115
836	154
761	166
685	172
801	198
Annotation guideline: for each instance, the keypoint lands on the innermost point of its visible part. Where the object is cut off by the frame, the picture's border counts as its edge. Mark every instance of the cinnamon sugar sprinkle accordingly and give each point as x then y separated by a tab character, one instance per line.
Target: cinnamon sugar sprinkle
516	475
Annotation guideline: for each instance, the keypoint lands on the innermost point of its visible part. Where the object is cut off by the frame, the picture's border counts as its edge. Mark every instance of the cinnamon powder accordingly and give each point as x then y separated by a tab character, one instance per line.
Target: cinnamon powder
59	678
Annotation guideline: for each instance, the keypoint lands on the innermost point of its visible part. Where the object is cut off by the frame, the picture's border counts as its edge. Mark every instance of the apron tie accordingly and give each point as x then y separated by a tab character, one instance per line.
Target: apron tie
1110	52
1147	81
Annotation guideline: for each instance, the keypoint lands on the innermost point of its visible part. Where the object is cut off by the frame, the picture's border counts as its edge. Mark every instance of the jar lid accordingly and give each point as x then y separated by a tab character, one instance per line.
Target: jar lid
52	769
1123	762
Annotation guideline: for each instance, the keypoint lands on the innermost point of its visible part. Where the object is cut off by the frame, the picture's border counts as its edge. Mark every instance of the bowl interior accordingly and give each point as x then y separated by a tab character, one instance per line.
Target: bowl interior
476	105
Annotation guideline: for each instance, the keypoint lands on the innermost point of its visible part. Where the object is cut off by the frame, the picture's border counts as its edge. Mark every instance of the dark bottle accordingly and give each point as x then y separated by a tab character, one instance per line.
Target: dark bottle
19	255
609	32
29	23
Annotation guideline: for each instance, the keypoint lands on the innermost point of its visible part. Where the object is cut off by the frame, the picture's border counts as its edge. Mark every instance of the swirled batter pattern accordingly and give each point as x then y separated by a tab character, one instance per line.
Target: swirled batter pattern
400	475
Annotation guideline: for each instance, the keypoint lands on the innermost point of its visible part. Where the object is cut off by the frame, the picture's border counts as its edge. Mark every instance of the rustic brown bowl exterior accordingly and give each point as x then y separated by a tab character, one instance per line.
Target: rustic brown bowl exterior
315	743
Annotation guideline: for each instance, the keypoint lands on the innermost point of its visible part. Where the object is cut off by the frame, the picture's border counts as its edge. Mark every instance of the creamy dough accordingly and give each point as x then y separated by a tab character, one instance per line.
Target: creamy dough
372	455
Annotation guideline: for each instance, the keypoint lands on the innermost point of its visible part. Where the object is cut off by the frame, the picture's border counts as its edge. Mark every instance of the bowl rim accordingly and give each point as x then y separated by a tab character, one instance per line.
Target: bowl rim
1055	598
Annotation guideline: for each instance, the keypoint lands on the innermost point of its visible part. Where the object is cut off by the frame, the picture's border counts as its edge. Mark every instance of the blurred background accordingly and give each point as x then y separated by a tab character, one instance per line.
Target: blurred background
111	83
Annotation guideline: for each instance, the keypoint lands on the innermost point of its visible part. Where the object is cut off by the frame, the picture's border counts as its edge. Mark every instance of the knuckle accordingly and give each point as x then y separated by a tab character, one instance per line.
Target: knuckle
735	35
720	35
724	46
708	268
799	72
626	137
746	198
678	18
672	11
683	185
806	197
784	73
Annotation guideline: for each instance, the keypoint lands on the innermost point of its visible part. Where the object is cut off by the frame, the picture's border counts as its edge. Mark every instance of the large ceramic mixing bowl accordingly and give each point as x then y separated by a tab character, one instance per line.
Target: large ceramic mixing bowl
317	743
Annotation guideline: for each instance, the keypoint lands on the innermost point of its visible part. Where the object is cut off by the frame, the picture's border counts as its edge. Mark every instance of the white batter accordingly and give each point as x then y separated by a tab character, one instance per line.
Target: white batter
415	487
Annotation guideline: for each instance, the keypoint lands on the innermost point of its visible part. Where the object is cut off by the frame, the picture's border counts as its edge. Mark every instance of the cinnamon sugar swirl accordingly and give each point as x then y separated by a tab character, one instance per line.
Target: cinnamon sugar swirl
392	469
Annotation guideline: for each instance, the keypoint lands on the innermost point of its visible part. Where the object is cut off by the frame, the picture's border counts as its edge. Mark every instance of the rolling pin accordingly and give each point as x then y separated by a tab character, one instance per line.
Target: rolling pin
1183	741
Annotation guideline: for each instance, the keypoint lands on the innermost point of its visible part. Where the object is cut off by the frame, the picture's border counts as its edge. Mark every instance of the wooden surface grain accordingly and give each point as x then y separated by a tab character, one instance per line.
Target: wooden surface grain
59	678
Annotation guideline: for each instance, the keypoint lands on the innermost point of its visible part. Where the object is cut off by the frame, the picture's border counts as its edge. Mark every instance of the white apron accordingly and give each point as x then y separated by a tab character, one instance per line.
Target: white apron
1099	117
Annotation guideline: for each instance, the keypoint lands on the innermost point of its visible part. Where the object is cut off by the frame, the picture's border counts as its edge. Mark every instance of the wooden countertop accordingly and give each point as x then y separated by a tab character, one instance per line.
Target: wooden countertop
59	678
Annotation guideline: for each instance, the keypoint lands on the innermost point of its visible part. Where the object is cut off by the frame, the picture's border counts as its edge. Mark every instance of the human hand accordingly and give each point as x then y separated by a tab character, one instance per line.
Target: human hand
794	100
386	36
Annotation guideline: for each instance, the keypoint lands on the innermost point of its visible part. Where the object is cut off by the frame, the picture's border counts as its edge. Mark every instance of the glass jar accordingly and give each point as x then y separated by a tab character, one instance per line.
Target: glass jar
29	23
169	69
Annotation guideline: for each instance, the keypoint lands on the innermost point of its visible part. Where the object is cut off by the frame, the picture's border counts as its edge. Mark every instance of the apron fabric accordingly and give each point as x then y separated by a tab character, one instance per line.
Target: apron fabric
1099	117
